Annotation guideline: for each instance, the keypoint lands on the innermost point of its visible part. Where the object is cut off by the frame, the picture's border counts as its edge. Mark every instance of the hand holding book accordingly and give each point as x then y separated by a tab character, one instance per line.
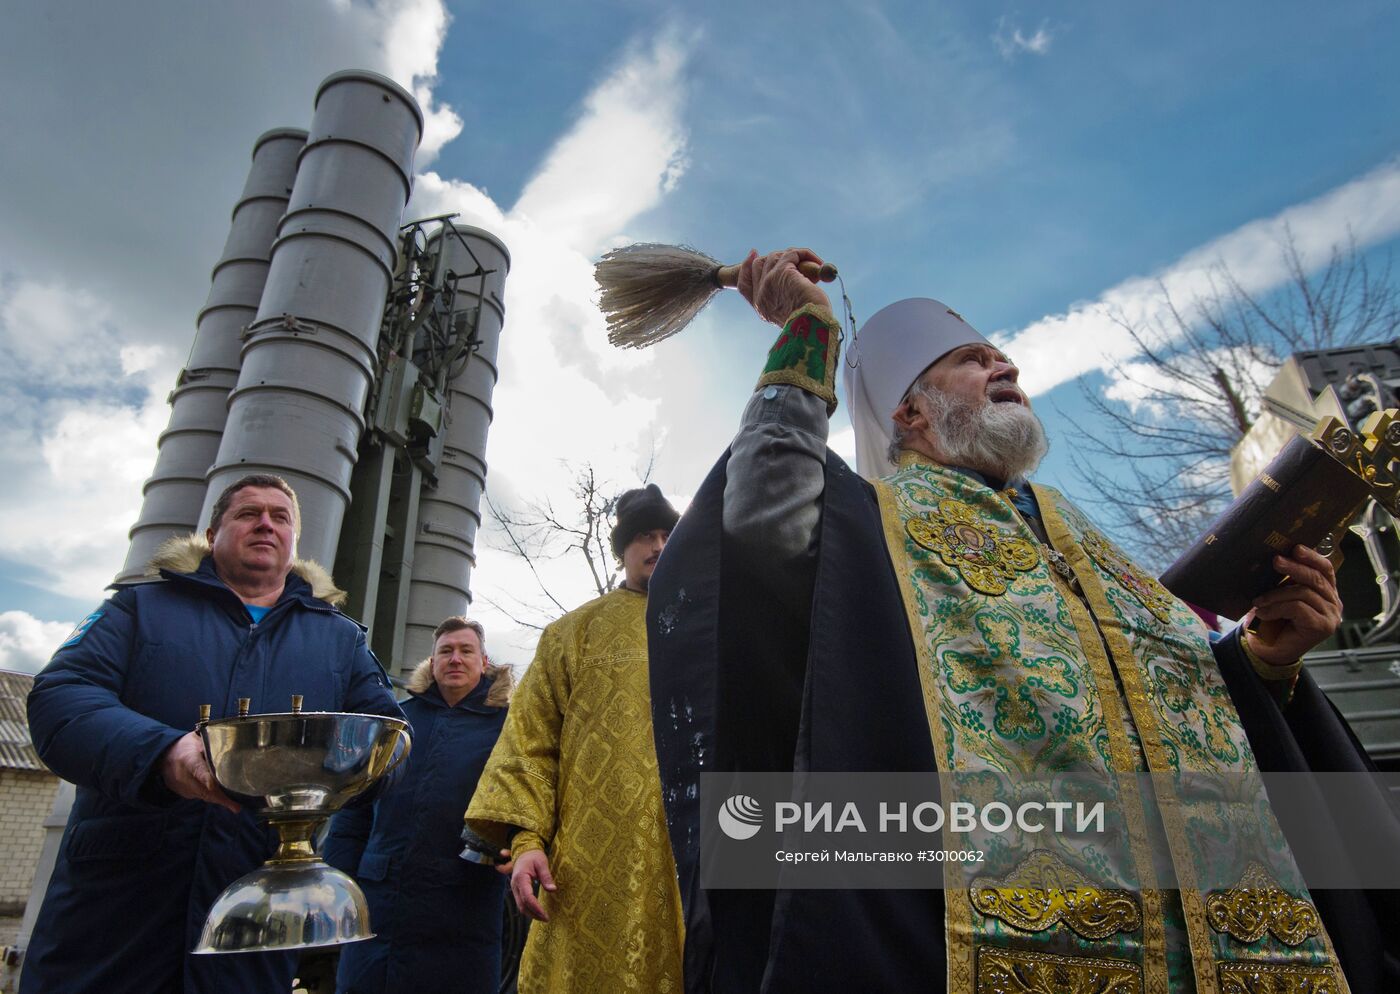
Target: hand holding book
1295	616
1306	496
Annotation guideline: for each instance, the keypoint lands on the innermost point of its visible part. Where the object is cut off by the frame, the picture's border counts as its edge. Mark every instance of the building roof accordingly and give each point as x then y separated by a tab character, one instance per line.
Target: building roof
16	747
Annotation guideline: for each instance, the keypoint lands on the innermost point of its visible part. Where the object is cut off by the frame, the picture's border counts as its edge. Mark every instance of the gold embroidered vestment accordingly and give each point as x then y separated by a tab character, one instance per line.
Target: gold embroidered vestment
1023	679
575	770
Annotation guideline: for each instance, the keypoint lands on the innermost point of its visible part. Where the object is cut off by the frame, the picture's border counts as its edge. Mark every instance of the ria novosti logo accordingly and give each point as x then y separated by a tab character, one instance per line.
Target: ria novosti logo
741	817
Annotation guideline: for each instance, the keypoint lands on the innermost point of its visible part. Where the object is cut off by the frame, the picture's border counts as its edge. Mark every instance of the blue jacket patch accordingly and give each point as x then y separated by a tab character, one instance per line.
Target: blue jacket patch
77	634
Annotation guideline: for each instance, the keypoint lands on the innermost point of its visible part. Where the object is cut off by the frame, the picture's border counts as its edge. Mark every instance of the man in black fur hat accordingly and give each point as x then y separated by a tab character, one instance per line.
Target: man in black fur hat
572	788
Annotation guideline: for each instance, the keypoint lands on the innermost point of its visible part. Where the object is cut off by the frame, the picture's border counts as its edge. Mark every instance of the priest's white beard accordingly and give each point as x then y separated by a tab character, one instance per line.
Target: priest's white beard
1003	440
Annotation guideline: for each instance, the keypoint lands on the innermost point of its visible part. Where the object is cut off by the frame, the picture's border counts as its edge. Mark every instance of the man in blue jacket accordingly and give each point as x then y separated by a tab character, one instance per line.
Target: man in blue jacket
152	840
436	917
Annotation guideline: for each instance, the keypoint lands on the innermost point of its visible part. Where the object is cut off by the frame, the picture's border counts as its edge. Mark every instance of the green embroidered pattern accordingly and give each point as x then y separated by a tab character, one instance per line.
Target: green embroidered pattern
803	347
1019	677
1145	588
806	353
1010	673
1198	727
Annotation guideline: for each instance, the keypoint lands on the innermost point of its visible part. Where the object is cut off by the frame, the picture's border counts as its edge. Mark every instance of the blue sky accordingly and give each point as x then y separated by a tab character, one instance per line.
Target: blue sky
1025	163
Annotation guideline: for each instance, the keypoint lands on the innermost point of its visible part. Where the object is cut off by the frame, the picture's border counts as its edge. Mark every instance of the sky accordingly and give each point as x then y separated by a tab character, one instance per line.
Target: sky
1036	166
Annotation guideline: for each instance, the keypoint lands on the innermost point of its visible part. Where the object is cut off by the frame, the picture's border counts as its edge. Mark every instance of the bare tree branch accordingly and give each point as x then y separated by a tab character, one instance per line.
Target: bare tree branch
517	544
1159	467
539	532
509	613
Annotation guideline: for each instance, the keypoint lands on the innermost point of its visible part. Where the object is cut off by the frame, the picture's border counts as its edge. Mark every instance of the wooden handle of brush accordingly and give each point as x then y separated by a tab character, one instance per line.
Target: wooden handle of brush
826	272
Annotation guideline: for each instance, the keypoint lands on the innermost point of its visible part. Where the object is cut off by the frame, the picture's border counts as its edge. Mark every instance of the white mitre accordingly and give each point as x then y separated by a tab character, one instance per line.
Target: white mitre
890	352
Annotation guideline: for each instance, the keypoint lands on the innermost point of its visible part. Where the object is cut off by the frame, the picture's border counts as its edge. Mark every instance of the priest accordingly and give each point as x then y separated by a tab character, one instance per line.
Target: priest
941	612
572	789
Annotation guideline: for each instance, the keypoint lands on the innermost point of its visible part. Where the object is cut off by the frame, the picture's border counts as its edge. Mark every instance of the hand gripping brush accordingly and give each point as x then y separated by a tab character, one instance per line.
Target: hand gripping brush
650	291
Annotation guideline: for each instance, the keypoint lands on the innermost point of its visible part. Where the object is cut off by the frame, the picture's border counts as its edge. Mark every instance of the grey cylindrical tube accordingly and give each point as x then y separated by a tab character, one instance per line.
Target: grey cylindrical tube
174	494
449	514
309	358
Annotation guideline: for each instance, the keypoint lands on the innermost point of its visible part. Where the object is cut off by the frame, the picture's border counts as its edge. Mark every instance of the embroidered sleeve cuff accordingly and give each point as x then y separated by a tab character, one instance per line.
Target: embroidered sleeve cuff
806	354
1280	680
523	842
1269	671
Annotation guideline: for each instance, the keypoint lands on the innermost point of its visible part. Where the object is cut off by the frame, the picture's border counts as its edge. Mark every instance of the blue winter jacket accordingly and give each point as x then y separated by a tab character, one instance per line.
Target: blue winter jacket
436	917
138	867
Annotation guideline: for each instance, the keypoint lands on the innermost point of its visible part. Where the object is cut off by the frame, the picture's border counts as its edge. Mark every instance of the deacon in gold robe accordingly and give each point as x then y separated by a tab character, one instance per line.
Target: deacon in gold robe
945	614
572	788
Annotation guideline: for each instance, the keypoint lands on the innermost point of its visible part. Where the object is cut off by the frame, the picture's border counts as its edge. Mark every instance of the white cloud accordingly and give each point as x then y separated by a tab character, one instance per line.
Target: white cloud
623	154
1089	336
565	395
1140	385
432	194
57	333
413	34
139	358
82	401
82	414
1011	41
80	503
26	643
406	39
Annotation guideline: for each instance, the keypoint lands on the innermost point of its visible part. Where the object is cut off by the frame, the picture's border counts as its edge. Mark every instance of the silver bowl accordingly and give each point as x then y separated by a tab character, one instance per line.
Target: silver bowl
286	907
300	763
294	771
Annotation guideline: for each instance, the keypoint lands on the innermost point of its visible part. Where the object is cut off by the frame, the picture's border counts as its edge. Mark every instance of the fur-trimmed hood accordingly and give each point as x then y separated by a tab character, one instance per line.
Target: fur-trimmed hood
184	553
502	682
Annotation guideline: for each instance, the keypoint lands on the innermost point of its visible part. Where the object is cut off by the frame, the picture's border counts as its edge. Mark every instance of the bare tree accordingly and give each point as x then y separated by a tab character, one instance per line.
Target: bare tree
543	530
1160	467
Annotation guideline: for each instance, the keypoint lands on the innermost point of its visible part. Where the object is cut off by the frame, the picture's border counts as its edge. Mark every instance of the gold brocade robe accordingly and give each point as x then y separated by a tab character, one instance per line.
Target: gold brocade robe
1024	679
575	771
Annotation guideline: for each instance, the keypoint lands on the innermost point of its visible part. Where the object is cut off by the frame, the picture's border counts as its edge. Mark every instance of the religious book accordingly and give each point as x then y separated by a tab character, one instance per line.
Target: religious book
1305	496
